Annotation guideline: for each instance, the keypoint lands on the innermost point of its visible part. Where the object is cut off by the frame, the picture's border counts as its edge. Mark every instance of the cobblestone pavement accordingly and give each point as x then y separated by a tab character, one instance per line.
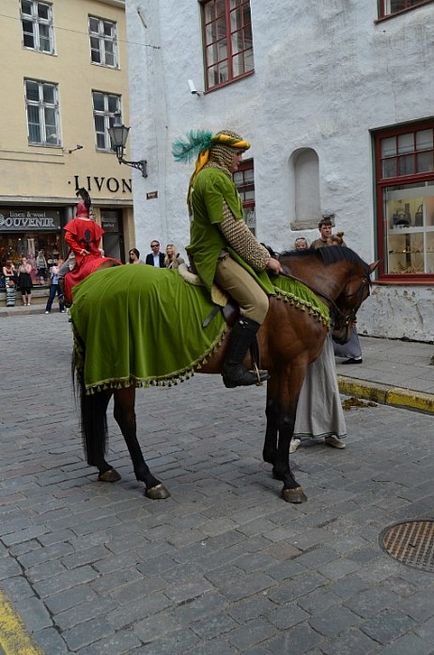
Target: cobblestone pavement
224	566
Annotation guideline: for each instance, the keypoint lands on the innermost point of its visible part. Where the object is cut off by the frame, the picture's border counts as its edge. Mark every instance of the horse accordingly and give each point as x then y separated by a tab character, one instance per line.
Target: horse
289	340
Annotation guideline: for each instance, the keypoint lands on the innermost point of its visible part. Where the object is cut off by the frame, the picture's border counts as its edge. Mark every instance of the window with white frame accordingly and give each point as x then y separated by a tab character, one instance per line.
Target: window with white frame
405	201
103	42
391	7
106	108
37	22
42	104
227	39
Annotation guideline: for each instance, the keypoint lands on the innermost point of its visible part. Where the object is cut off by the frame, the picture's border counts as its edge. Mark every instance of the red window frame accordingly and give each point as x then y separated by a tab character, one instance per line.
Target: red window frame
226	25
246	186
408	5
383	182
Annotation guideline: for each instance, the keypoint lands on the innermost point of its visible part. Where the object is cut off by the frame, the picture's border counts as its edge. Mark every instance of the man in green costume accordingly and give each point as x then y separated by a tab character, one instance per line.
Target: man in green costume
217	229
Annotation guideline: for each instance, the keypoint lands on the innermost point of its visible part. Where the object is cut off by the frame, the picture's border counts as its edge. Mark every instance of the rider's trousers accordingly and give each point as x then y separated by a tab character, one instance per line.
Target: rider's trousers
234	279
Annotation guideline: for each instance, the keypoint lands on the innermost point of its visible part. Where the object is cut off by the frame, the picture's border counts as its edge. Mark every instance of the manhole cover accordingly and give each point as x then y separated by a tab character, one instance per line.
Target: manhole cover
411	542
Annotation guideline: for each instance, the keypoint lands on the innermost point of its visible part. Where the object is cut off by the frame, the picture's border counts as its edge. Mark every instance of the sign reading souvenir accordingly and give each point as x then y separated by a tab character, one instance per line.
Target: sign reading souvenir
27	220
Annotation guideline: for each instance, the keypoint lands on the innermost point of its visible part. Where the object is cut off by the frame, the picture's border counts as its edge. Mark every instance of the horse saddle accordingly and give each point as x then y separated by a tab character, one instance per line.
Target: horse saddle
222	301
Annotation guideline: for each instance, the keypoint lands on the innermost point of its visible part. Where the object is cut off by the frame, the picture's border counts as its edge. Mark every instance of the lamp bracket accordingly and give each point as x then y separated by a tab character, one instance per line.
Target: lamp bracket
141	165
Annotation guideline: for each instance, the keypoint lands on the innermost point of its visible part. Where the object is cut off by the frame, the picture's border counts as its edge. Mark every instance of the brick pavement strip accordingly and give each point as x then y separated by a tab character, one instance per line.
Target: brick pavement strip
224	566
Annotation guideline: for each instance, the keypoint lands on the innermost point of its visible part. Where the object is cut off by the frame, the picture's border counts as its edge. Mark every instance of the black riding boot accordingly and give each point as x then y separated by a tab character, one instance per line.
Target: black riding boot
234	373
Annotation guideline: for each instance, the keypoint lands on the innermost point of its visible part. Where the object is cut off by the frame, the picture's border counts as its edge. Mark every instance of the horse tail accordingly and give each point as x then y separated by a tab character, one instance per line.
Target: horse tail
93	414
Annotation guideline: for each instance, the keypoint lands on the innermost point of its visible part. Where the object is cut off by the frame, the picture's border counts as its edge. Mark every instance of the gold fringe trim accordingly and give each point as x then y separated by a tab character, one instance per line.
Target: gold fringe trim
304	306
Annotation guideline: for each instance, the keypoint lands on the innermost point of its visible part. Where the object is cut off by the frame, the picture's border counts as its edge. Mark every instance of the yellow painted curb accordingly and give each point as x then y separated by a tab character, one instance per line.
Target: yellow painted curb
14	639
385	395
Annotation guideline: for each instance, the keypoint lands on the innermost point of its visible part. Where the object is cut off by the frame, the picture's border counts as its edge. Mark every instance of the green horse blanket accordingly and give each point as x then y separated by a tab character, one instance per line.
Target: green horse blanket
139	325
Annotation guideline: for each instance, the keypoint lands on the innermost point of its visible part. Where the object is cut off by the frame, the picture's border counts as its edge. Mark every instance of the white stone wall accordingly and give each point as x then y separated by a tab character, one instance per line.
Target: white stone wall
325	75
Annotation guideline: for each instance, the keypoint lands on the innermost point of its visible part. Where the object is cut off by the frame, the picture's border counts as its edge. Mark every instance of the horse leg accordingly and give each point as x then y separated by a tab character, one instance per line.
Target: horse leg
125	417
94	430
269	452
288	391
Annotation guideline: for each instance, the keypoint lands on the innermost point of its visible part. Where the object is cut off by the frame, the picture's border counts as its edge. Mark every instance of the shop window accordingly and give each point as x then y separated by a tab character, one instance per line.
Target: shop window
37	22
405	202
103	42
245	183
307	208
106	108
227	40
42	113
391	7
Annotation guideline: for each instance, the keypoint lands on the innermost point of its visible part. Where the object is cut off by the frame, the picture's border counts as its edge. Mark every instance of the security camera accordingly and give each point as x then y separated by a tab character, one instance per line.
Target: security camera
192	88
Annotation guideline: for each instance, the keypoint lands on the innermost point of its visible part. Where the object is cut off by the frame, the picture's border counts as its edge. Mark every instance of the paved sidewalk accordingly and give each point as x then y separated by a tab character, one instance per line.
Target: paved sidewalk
393	372
224	566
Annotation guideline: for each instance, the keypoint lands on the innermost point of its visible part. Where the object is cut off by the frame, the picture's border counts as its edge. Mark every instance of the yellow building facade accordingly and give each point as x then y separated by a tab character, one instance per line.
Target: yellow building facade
64	82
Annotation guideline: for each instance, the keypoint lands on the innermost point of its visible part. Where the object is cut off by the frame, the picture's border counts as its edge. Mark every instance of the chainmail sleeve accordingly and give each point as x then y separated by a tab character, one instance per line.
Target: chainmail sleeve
239	237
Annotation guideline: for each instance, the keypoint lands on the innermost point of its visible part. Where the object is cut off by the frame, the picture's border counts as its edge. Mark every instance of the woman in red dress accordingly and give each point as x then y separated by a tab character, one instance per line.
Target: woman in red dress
83	236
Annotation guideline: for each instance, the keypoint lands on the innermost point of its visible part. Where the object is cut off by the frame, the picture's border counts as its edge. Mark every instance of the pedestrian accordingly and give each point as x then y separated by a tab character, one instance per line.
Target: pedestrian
134	257
217	228
320	417
155	258
10	278
352	350
41	266
25	281
54	288
9	270
172	258
301	243
325	230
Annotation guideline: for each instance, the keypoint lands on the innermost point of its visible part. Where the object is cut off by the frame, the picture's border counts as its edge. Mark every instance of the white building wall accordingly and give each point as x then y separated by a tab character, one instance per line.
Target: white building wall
324	77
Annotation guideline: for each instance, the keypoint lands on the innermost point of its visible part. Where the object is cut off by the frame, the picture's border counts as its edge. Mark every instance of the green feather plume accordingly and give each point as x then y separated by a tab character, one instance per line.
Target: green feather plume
186	149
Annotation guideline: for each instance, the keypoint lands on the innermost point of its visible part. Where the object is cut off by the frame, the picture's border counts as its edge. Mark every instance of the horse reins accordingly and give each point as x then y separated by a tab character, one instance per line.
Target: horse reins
345	317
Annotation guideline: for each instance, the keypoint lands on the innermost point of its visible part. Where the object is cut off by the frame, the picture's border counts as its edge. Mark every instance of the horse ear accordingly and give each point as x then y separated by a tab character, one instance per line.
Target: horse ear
374	265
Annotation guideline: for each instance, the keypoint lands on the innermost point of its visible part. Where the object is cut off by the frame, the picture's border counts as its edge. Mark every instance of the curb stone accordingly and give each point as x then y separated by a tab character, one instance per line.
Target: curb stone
387	395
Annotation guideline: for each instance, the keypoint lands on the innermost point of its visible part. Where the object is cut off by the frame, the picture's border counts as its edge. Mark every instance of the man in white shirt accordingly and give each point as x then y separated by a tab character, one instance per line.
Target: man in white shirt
155	258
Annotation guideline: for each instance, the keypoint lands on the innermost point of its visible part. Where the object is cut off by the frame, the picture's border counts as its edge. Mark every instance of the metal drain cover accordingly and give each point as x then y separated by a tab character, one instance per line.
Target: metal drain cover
411	542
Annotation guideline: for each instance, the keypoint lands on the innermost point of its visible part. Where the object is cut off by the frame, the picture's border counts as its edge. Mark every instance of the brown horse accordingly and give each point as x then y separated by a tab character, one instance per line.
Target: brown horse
289	340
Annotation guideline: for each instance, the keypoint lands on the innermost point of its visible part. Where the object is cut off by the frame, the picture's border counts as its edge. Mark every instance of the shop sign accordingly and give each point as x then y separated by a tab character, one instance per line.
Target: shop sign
95	183
27	220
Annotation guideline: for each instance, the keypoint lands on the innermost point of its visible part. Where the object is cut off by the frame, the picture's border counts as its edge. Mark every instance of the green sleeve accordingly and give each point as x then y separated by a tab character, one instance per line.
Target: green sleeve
219	189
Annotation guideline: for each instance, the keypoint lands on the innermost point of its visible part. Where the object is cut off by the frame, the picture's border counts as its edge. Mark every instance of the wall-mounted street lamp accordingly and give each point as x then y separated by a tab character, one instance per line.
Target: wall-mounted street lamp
118	134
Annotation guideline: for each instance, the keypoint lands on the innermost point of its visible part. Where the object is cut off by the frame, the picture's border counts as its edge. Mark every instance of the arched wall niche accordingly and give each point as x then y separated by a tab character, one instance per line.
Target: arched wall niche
304	178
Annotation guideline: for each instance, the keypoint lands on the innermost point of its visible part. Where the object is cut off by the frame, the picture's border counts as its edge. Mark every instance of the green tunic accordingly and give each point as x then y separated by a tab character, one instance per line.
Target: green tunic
211	188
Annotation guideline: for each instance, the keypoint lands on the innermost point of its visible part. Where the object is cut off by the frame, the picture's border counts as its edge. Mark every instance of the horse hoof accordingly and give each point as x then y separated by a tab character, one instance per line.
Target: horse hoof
159	492
109	476
296	495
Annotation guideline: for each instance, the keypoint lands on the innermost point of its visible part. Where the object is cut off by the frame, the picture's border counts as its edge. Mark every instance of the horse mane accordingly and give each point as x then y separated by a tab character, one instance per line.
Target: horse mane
328	255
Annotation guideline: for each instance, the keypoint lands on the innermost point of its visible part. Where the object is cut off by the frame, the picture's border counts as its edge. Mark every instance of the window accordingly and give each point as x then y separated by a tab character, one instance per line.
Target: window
37	22
245	183
106	107
390	7
405	201
103	42
227	38
42	113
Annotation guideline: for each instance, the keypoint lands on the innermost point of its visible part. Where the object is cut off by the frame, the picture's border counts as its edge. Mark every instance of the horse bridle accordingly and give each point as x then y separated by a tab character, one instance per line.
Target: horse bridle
342	317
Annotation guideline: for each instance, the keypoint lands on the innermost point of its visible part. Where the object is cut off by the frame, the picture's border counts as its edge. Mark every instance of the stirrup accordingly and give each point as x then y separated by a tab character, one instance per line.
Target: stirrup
239	376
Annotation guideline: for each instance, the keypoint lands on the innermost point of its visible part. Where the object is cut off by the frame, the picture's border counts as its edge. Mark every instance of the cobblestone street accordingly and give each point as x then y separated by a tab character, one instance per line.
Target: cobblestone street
224	566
